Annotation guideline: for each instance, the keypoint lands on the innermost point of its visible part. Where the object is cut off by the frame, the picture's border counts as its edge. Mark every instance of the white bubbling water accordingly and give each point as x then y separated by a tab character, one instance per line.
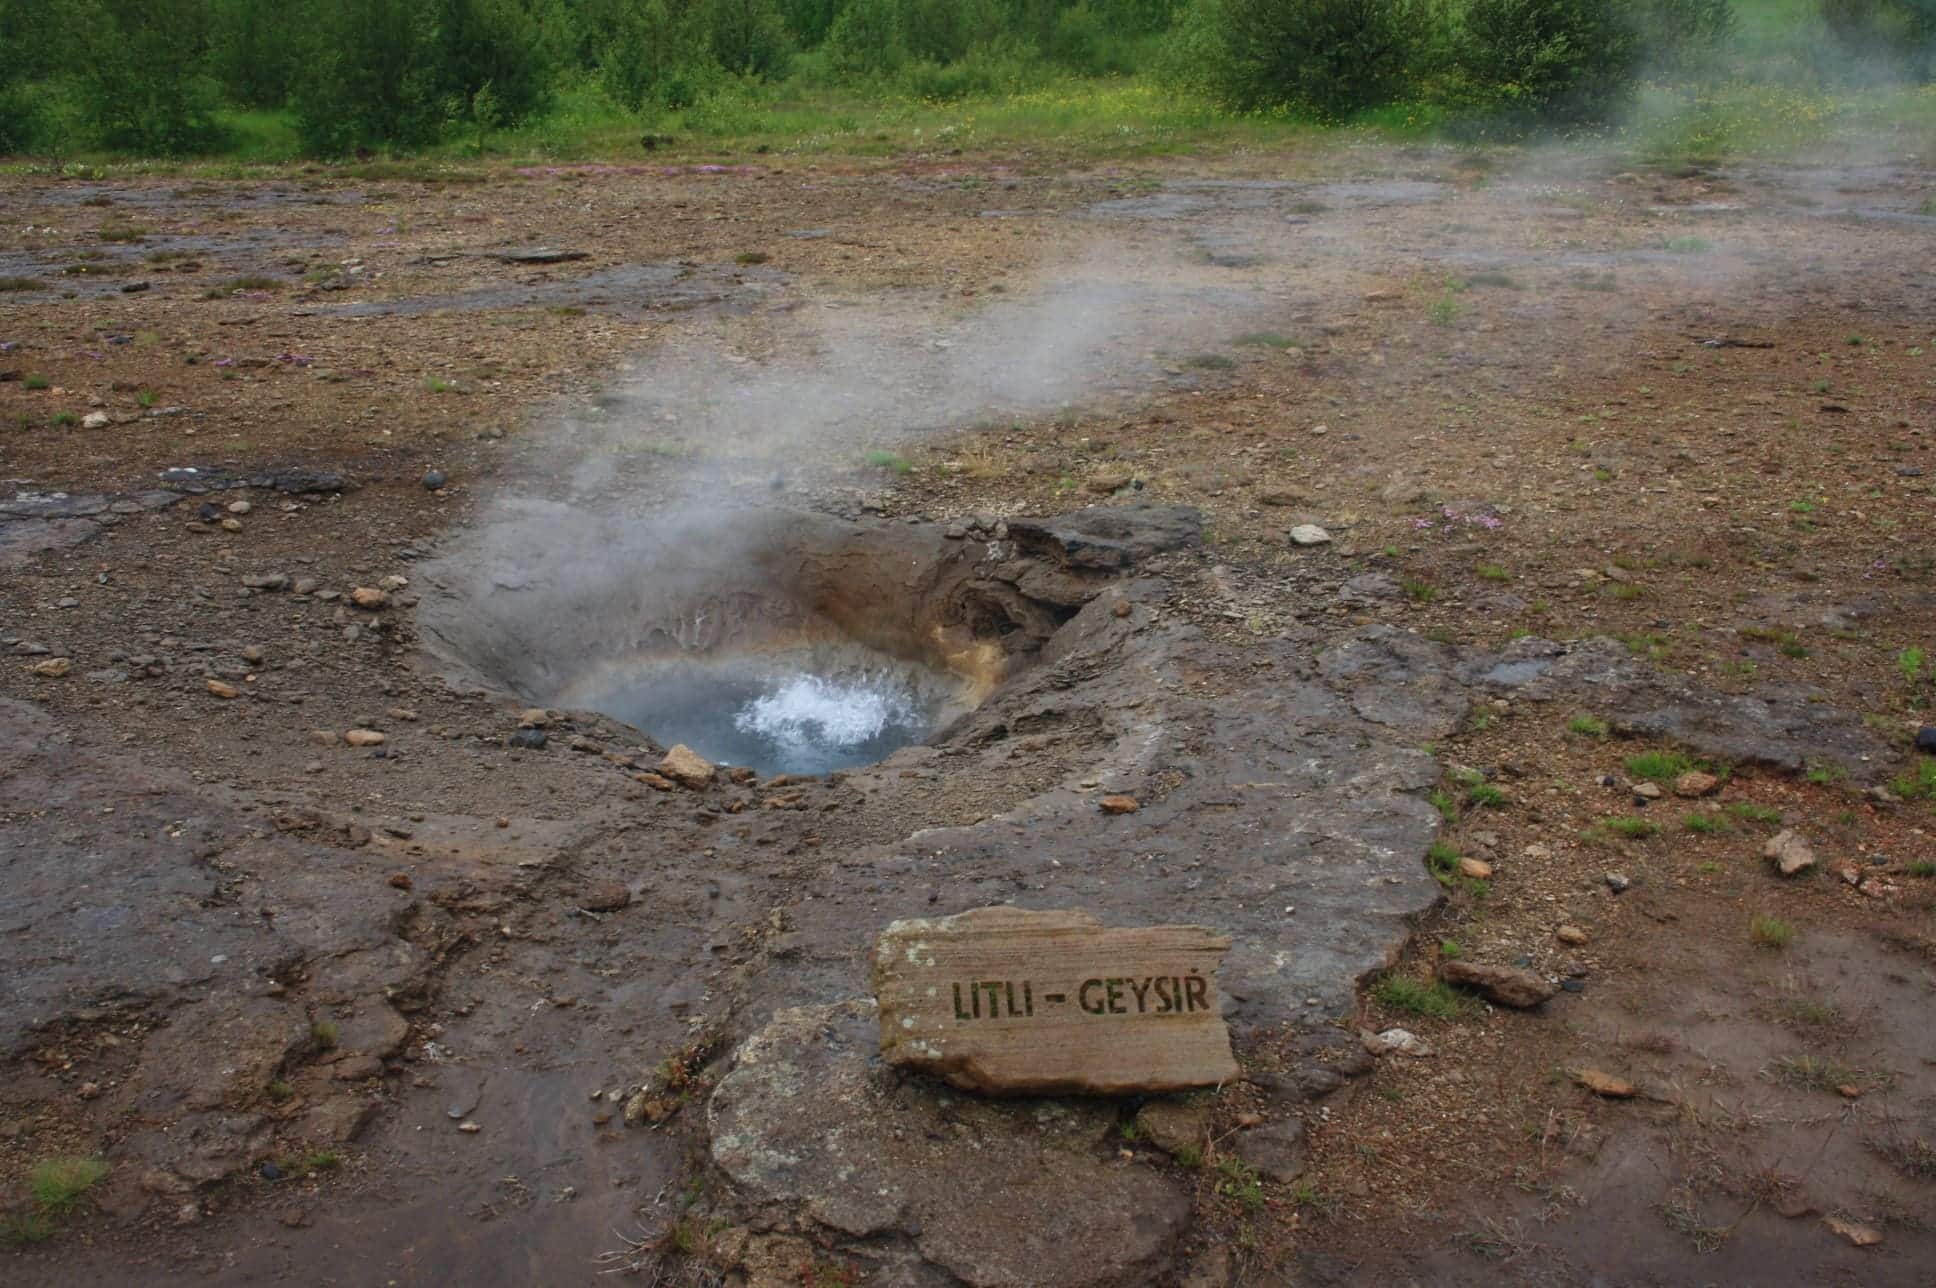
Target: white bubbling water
811	712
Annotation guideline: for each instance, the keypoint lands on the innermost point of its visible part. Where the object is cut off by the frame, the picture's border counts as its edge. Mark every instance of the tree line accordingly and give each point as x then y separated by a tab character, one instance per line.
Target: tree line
155	76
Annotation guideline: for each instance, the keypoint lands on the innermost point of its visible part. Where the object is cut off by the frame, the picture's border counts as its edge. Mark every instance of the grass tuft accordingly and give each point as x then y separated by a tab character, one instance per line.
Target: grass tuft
1770	932
1658	766
58	1183
1420	997
890	461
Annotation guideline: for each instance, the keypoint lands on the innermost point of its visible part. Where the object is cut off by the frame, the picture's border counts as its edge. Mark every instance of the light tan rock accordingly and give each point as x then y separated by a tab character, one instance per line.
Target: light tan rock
1174	1126
1862	1236
54	668
1478	869
369	597
1694	784
1604	1084
1118	805
1572	935
364	738
1010	1002
223	689
687	767
1790	853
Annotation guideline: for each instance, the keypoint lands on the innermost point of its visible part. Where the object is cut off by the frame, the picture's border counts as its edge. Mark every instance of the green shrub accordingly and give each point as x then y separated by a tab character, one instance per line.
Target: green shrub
1551	61
747	37
1684	36
140	73
1899	35
654	57
1327	58
867	39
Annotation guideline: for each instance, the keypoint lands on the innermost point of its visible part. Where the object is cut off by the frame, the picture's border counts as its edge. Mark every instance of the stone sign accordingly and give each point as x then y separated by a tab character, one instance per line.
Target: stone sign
1010	1002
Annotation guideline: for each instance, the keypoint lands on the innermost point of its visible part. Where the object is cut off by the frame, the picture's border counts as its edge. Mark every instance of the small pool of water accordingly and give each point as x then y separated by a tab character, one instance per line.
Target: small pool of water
802	712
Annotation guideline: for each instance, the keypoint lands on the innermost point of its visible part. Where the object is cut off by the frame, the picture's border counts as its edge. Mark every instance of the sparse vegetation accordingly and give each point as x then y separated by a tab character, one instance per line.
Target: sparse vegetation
1770	932
1658	766
1239	1181
1753	812
1587	726
57	1184
892	462
12	283
1404	992
1423	592
749	258
1821	1073
1919	784
1706	824
323	1035
1629	827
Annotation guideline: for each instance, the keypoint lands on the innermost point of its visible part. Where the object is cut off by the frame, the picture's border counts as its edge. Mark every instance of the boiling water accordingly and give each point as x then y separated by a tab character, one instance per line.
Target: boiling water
776	715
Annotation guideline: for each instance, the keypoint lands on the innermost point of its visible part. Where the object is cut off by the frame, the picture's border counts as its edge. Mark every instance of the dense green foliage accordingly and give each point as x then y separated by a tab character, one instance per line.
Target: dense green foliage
168	77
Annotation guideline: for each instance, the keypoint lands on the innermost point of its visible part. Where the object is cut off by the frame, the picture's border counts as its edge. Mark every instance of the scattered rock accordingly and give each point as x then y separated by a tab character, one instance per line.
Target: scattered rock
1926	739
687	767
266	581
1572	935
223	689
369	597
1309	534
1174	1126
433	480
533	718
400	880
1505	985
528	739
1478	869
240	507
541	255
657	782
364	738
605	896
54	668
1118	805
1396	1041
1790	853
1647	791
1694	784
1604	1084
1618	883
95	420
1862	1236
1277	1151
1105	481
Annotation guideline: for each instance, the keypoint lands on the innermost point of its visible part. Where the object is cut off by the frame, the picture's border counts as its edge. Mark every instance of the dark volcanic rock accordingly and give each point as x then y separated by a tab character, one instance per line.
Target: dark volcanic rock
1109	538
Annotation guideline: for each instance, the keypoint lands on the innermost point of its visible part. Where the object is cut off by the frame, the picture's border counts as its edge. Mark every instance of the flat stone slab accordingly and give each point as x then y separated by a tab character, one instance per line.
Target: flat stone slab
809	1121
1011	1002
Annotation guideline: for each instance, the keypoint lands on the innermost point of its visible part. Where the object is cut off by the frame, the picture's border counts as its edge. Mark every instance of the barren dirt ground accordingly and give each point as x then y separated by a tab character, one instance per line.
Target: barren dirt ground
453	1010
